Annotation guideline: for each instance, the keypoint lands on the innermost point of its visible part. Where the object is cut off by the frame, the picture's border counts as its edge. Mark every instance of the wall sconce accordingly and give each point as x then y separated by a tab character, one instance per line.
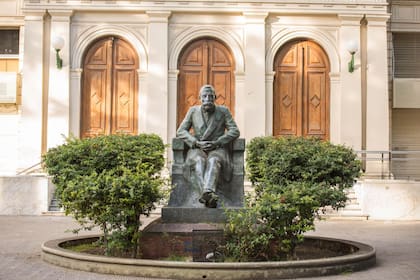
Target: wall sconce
58	44
352	48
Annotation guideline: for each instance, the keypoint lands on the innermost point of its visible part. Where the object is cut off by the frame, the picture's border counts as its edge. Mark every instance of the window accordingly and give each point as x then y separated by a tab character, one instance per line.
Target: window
406	55
9	42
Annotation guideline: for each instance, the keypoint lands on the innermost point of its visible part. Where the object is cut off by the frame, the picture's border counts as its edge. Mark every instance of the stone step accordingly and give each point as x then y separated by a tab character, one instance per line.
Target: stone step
54	205
54	213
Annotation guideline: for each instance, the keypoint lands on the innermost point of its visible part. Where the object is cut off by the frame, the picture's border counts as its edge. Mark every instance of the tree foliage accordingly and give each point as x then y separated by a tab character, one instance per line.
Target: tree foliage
294	178
109	181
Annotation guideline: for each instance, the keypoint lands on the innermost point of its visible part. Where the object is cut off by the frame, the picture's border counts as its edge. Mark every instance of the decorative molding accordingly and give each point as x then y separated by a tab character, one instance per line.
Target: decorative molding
405	16
194	32
324	39
254	17
60	15
219	6
158	16
35	15
89	35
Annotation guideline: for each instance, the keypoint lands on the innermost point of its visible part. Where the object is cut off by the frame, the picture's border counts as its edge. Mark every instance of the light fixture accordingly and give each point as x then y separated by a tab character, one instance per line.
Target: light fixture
352	48
58	44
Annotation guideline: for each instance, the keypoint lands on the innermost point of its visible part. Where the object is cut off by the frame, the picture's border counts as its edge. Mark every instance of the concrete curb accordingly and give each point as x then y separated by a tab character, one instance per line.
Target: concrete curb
364	258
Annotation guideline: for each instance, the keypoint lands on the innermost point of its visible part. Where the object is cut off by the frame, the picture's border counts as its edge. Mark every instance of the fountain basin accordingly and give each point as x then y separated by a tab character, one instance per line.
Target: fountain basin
361	256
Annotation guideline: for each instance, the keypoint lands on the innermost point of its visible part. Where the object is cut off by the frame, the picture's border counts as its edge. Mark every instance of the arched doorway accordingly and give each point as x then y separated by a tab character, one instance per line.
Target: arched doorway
109	88
301	91
205	61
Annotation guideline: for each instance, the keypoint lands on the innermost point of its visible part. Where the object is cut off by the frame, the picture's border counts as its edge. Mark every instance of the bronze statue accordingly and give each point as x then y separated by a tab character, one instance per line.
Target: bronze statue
208	130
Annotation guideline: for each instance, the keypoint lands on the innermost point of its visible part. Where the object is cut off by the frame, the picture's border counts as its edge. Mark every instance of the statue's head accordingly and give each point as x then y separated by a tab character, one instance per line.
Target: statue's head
207	97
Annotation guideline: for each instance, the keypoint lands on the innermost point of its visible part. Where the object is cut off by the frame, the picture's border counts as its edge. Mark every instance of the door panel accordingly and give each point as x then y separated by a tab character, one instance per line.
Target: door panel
205	61
109	89
96	111
287	101
124	113
301	91
96	101
124	109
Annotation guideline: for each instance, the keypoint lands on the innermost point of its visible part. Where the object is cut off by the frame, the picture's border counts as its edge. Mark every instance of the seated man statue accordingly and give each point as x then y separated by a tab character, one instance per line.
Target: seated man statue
207	130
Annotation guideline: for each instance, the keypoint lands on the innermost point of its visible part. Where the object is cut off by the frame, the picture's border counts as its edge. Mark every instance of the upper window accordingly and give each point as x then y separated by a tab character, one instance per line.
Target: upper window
406	55
9	42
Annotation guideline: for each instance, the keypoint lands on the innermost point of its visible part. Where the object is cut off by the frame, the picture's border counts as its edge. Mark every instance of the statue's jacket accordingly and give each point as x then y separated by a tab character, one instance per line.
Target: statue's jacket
220	128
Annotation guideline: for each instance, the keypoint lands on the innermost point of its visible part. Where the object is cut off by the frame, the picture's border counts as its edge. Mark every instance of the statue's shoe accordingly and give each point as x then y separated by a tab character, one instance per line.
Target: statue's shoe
209	199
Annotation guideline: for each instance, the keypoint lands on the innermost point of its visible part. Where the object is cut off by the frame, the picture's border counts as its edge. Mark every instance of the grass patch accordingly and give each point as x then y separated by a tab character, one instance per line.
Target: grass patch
81	248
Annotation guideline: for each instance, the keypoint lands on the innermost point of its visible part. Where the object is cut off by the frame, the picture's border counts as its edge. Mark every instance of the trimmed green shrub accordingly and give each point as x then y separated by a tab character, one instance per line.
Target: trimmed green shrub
294	179
109	181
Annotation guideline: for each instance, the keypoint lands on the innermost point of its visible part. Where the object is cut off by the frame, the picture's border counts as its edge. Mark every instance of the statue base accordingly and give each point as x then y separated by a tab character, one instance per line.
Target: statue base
193	215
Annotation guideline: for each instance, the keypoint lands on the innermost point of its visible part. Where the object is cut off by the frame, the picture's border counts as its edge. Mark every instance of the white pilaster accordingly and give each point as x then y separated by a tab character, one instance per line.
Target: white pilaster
240	102
377	100
157	91
142	112
173	82
335	107
75	97
269	80
351	91
255	105
31	127
58	117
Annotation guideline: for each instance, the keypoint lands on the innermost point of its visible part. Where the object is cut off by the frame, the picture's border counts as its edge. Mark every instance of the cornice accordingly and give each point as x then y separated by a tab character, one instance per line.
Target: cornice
216	6
12	21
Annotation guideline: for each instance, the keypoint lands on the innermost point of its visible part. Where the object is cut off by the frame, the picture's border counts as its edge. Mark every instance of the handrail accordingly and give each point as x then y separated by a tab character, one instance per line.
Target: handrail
25	171
397	164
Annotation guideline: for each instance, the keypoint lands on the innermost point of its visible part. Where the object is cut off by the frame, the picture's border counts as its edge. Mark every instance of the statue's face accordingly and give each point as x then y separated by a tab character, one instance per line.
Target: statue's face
207	99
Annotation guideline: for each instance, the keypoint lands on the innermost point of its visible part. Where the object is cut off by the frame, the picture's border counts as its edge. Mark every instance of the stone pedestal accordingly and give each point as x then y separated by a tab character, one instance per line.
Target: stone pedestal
193	215
192	241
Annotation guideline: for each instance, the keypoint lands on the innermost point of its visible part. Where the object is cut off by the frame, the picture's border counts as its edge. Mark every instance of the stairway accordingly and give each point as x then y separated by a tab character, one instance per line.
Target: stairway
54	208
352	210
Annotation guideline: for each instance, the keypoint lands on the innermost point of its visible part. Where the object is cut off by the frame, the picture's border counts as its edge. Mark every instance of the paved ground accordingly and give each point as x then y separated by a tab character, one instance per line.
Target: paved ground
397	245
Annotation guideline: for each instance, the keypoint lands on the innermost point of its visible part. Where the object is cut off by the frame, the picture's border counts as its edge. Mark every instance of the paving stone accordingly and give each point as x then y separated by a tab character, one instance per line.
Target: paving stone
396	243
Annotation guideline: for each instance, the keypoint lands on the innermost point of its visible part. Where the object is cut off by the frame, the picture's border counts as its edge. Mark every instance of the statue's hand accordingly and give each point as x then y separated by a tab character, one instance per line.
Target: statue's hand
206	146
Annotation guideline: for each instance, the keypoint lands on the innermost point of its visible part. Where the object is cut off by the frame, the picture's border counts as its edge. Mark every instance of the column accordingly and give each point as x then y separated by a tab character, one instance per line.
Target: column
254	89
377	99
157	88
31	126
58	117
351	89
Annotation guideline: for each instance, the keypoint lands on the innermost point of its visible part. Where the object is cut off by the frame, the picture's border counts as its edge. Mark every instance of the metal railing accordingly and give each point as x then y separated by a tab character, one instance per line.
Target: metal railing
394	164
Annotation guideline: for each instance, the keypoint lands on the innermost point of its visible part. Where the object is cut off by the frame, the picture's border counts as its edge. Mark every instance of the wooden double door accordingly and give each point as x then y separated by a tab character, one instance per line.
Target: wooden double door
109	88
301	91
205	61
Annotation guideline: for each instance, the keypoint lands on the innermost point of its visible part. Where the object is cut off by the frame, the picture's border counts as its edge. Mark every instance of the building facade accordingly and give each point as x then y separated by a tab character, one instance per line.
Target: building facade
282	67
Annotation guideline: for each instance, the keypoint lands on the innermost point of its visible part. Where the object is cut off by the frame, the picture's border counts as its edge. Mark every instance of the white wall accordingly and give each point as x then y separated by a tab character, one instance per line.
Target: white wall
25	195
389	199
8	143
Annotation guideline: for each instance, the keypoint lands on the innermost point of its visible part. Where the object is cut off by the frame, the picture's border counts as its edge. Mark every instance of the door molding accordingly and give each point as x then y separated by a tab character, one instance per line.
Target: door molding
109	88
326	41
191	34
301	94
329	44
93	33
80	46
